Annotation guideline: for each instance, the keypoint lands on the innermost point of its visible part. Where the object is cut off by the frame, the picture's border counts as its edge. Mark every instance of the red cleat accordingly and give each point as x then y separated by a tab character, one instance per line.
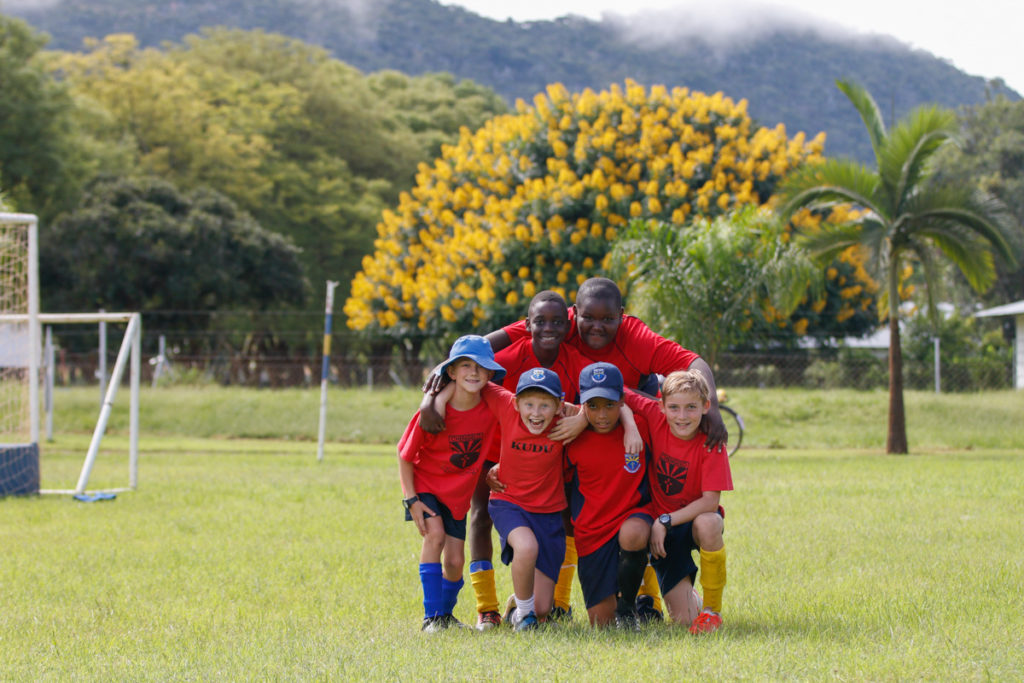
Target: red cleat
706	622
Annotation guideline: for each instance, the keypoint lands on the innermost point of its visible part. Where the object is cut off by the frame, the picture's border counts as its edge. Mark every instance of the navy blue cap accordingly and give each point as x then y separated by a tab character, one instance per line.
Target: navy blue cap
540	378
477	349
600	380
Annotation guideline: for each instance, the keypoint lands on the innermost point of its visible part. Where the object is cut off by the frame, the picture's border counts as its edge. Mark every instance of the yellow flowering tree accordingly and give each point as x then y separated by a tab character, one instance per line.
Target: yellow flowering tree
534	200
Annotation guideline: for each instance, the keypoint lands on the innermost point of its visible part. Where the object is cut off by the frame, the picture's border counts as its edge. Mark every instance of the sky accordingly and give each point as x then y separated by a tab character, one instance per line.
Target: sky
982	38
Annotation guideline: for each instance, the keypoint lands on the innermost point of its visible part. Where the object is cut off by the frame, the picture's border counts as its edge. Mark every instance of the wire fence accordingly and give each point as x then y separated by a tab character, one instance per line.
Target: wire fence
829	369
282	349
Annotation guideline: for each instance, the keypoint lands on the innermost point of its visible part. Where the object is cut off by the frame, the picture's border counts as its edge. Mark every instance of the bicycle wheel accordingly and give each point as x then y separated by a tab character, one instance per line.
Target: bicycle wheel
734	423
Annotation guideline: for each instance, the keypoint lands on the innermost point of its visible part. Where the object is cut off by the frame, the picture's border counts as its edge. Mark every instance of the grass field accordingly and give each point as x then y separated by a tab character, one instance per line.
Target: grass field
241	558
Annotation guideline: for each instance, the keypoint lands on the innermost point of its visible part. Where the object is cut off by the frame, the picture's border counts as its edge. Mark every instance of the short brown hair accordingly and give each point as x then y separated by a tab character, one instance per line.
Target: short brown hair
686	380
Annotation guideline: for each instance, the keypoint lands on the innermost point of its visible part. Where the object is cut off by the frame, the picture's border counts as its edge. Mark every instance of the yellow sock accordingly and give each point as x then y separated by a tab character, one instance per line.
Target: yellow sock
486	591
650	587
563	589
712	578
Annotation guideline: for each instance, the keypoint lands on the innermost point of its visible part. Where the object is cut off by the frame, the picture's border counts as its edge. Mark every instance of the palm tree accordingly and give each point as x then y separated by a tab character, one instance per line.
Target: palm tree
904	218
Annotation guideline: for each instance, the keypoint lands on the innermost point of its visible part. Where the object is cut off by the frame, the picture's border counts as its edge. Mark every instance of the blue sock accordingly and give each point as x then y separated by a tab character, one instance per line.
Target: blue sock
450	591
433	600
480	566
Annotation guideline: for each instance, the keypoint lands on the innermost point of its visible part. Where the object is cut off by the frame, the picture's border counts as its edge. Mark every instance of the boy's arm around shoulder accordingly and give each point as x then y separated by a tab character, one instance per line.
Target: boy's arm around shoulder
632	440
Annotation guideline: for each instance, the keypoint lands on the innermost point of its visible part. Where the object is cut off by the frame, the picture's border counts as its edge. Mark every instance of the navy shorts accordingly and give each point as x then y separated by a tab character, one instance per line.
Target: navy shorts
599	570
452	527
678	562
546	527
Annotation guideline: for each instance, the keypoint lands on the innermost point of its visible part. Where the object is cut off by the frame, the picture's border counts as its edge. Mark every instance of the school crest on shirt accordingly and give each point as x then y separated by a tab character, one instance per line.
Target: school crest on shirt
465	450
671	475
632	463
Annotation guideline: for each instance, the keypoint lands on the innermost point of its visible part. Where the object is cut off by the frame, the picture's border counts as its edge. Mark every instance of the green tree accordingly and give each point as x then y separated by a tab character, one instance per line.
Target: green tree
306	144
41	161
990	156
142	245
723	281
904	218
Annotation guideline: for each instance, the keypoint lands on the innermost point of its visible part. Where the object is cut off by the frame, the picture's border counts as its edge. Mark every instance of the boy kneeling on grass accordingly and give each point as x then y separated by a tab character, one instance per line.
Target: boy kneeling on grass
528	512
609	499
439	472
686	485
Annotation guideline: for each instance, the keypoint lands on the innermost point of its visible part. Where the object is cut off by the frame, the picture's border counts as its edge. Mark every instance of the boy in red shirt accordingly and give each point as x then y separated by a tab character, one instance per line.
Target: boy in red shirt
438	473
686	484
547	322
609	494
528	511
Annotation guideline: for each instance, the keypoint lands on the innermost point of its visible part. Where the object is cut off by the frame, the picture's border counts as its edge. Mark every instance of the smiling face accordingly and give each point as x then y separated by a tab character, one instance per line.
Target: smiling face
468	375
602	414
537	409
547	323
683	410
597	320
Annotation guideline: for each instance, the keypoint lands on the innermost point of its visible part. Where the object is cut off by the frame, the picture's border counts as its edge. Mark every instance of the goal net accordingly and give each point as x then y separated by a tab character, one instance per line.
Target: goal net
19	354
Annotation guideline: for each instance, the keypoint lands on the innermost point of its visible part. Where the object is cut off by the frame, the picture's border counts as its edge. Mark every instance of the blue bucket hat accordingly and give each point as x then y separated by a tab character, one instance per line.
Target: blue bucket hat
540	378
478	350
600	380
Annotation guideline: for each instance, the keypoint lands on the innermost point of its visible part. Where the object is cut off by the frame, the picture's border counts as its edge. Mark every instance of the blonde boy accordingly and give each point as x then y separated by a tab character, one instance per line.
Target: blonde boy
686	484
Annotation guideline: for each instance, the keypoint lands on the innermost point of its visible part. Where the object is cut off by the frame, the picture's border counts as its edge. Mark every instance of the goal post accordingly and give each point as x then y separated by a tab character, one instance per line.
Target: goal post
19	353
20	363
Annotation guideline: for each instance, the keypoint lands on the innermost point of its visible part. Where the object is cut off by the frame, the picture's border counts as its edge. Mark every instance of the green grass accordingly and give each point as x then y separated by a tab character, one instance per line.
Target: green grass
246	559
775	418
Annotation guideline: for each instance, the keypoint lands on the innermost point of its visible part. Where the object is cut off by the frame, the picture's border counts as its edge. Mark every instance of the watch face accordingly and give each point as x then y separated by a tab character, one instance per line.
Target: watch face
665	519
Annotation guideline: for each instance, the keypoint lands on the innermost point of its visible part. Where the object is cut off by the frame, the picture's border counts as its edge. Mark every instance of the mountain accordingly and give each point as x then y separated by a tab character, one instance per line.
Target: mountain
786	73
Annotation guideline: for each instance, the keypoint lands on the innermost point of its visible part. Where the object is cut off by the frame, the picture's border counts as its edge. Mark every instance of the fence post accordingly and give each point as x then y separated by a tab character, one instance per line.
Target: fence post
938	367
325	371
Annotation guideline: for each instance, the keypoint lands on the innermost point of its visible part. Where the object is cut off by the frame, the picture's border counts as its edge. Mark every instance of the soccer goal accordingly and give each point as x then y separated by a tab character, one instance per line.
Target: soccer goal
20	361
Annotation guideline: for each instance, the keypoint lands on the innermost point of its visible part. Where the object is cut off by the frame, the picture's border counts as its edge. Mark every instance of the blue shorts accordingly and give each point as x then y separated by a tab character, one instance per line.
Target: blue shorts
546	527
599	570
678	562
452	527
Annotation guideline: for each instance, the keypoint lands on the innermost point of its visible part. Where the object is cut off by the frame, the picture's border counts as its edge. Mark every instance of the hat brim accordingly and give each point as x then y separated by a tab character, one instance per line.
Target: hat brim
600	392
487	363
541	387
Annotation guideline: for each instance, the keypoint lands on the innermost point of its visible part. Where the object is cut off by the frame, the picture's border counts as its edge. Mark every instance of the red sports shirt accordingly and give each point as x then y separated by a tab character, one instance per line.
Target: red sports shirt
531	464
519	357
606	485
680	471
636	350
447	464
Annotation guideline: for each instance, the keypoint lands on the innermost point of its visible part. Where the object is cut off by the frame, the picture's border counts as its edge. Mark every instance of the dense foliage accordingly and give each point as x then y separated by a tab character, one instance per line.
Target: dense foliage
41	160
786	74
142	245
990	156
725	282
535	200
309	146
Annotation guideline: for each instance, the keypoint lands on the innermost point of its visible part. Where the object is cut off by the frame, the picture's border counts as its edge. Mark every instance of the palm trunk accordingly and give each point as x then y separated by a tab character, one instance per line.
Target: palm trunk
896	442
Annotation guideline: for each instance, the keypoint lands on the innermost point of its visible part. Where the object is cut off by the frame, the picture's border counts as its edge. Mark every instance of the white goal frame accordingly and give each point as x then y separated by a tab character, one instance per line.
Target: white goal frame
129	354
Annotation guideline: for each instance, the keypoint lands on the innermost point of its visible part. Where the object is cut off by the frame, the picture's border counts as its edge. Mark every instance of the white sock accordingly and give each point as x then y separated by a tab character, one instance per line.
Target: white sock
523	607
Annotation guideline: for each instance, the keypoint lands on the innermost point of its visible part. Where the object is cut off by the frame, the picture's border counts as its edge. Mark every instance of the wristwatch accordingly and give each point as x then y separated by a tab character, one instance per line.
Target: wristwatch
666	519
407	502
